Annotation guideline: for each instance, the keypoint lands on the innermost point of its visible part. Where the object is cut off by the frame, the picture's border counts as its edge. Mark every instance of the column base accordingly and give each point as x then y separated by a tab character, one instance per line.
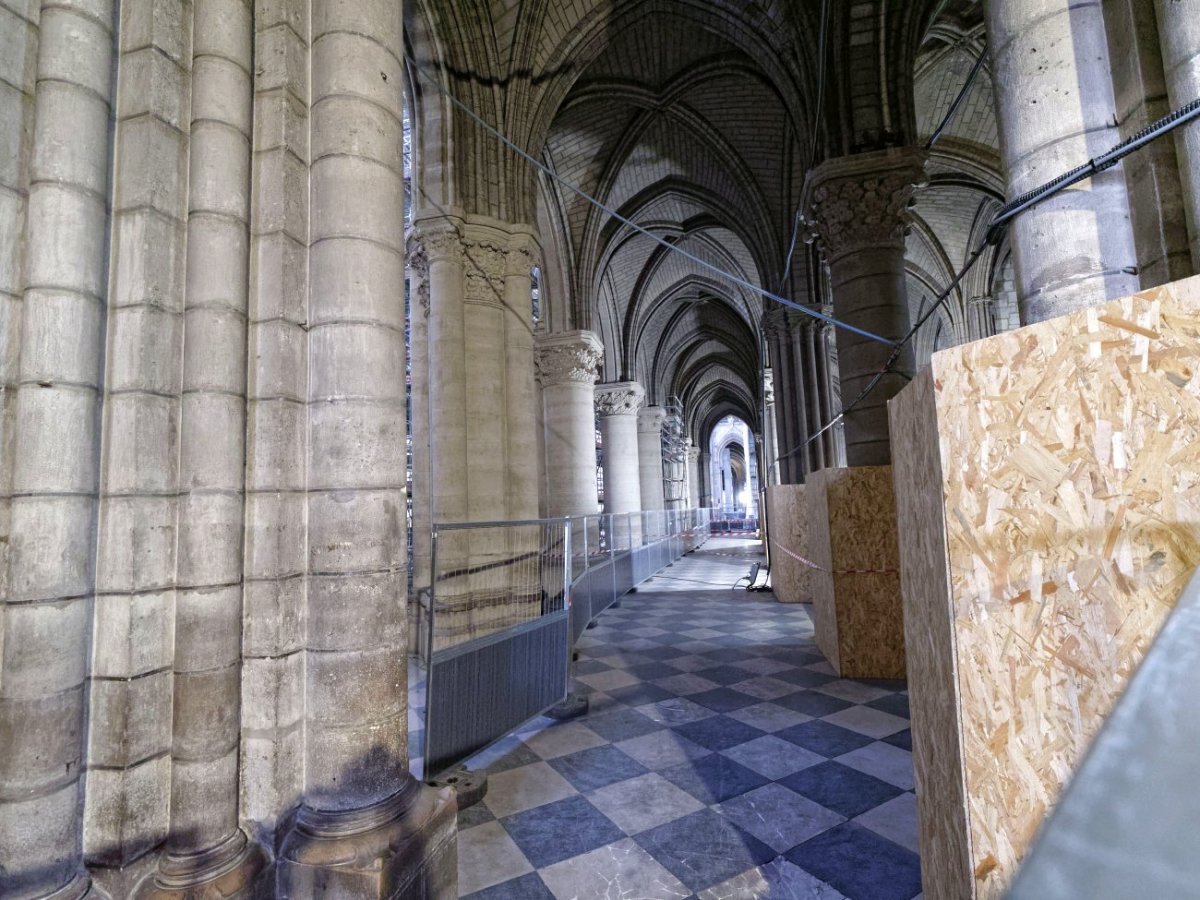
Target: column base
403	848
235	869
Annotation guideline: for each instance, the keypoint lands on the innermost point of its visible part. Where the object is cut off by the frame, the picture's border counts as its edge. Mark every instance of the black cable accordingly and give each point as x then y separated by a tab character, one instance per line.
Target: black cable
962	95
995	233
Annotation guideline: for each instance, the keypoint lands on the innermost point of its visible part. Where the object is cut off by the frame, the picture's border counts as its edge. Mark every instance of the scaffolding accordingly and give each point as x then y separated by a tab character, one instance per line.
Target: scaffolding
674	454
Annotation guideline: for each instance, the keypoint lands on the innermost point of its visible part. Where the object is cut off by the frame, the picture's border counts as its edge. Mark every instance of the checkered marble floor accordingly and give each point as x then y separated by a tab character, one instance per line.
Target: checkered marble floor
720	758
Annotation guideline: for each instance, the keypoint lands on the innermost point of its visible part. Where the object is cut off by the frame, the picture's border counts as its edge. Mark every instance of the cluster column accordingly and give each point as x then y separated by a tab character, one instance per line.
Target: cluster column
47	603
1056	111
857	205
617	404
567	365
366	829
1179	33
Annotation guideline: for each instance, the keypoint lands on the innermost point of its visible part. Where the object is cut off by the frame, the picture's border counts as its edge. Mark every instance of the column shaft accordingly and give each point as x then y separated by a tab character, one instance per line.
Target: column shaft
205	842
1056	111
1179	31
356	652
618	403
858	206
520	389
274	614
418	342
49	581
567	364
650	458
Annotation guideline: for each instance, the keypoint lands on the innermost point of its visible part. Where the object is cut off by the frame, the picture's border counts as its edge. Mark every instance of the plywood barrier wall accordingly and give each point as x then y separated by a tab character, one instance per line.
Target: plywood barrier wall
787	528
856	599
1048	490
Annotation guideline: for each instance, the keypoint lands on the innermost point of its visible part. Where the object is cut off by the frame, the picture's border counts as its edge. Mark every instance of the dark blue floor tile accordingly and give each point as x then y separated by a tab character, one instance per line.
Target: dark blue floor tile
805	678
597	767
704	849
557	831
811	703
714	778
860	863
723	699
824	738
718	732
896	704
730	654
901	739
840	788
724	674
474	815
590	667
621	724
639	694
661	654
650	670
527	887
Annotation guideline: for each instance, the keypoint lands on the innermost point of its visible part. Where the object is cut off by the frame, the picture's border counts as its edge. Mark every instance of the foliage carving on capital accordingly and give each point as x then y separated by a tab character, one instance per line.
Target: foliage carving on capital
522	256
651	418
568	363
442	245
693	453
774	322
620	399
853	205
485	269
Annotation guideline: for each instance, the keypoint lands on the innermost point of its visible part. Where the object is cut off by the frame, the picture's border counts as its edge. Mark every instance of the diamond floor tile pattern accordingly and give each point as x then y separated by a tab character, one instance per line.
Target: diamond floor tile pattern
720	758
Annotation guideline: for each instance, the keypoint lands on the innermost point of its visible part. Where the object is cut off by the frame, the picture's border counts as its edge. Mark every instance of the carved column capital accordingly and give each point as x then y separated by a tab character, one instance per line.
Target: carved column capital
768	386
861	202
571	357
440	243
523	255
619	398
650	419
774	322
485	265
693	453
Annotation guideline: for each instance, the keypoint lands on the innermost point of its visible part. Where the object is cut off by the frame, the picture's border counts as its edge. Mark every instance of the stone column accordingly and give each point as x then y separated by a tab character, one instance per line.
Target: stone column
858	207
366	829
48	584
618	403
770	444
693	470
520	388
650	458
275	618
981	323
418	342
1056	111
827	368
567	366
205	843
1179	34
130	738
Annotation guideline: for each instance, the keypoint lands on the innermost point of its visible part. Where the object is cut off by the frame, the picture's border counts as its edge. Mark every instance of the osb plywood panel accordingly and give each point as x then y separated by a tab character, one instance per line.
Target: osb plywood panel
788	527
866	565
929	644
824	613
857	614
1072	516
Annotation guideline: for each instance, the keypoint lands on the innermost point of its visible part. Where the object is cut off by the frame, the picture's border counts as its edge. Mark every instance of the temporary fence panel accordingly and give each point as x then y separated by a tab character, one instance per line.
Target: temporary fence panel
500	632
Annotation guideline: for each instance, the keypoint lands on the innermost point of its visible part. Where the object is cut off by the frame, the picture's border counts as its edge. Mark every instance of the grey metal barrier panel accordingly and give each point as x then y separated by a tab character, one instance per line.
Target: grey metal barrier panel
493	685
1128	824
623	574
499	627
